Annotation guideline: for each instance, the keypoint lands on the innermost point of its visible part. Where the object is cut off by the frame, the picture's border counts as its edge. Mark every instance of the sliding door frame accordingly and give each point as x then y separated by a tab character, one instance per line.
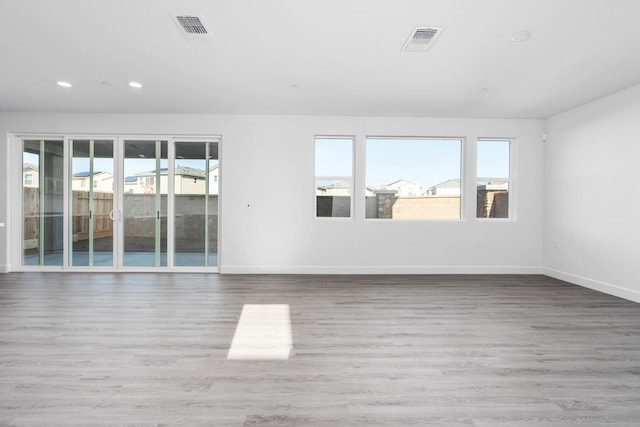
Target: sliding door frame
15	190
16	203
69	196
158	202
203	139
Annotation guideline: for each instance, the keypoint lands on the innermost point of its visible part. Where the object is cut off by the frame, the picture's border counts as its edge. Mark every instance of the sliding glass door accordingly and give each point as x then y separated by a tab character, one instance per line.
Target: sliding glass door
118	203
91	203
196	203
144	208
42	202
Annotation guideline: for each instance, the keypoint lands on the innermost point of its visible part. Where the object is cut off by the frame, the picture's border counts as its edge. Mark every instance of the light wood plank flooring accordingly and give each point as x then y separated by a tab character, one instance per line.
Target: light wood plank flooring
150	350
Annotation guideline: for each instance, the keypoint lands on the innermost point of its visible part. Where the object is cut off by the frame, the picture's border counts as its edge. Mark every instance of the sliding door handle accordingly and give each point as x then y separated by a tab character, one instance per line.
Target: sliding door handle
115	215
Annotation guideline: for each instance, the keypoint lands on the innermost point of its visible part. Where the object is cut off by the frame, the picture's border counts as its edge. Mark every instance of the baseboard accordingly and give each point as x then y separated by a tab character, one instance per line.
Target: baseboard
596	285
5	268
288	269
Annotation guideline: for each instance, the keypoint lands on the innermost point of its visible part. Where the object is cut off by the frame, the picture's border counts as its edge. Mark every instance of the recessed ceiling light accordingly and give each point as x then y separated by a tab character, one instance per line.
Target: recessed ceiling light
520	36
135	85
294	87
483	90
106	83
62	83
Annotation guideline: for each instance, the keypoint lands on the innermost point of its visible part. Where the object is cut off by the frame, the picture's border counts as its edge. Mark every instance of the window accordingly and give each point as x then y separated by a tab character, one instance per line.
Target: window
333	176
28	179
413	178
493	182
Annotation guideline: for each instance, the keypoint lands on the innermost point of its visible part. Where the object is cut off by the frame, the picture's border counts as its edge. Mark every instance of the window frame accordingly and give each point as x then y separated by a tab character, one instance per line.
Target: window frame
510	180
350	179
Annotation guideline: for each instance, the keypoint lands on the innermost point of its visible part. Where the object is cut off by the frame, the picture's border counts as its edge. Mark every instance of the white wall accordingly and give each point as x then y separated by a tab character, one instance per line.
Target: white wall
280	234
592	219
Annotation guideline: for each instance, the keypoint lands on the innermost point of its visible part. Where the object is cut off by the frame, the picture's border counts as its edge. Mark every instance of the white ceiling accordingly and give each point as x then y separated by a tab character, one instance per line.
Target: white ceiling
345	56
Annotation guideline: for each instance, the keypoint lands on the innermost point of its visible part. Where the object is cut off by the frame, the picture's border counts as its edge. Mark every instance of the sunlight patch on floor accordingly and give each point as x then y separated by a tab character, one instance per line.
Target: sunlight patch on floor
263	333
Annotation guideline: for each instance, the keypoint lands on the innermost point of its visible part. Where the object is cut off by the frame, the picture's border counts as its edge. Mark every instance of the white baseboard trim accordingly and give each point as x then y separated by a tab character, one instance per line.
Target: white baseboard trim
289	269
596	285
5	268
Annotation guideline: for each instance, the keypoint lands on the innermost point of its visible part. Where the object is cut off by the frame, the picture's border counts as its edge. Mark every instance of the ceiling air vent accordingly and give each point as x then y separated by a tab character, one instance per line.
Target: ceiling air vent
191	24
421	39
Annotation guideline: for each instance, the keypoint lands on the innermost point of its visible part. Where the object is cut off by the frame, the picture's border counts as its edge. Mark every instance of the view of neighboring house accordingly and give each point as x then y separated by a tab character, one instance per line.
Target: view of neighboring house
30	175
449	187
403	187
187	180
102	181
145	182
340	188
131	184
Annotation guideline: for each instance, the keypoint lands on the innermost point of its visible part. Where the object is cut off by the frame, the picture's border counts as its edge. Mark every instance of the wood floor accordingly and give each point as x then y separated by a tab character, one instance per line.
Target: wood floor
150	350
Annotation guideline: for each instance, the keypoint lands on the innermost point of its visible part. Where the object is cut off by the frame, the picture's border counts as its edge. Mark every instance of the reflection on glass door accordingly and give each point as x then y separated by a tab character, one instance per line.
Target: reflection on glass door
42	202
196	203
91	203
144	209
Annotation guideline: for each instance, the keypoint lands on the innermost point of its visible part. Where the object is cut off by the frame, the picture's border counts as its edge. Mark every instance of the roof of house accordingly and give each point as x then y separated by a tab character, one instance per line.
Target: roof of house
30	166
404	181
450	183
188	171
179	170
86	174
339	184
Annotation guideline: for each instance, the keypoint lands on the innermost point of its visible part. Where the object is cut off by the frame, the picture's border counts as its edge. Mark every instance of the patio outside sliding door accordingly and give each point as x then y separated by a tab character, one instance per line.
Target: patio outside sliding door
144	208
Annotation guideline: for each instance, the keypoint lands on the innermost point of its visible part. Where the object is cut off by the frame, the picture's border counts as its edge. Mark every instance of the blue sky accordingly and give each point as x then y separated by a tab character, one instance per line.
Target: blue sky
425	161
493	159
131	166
